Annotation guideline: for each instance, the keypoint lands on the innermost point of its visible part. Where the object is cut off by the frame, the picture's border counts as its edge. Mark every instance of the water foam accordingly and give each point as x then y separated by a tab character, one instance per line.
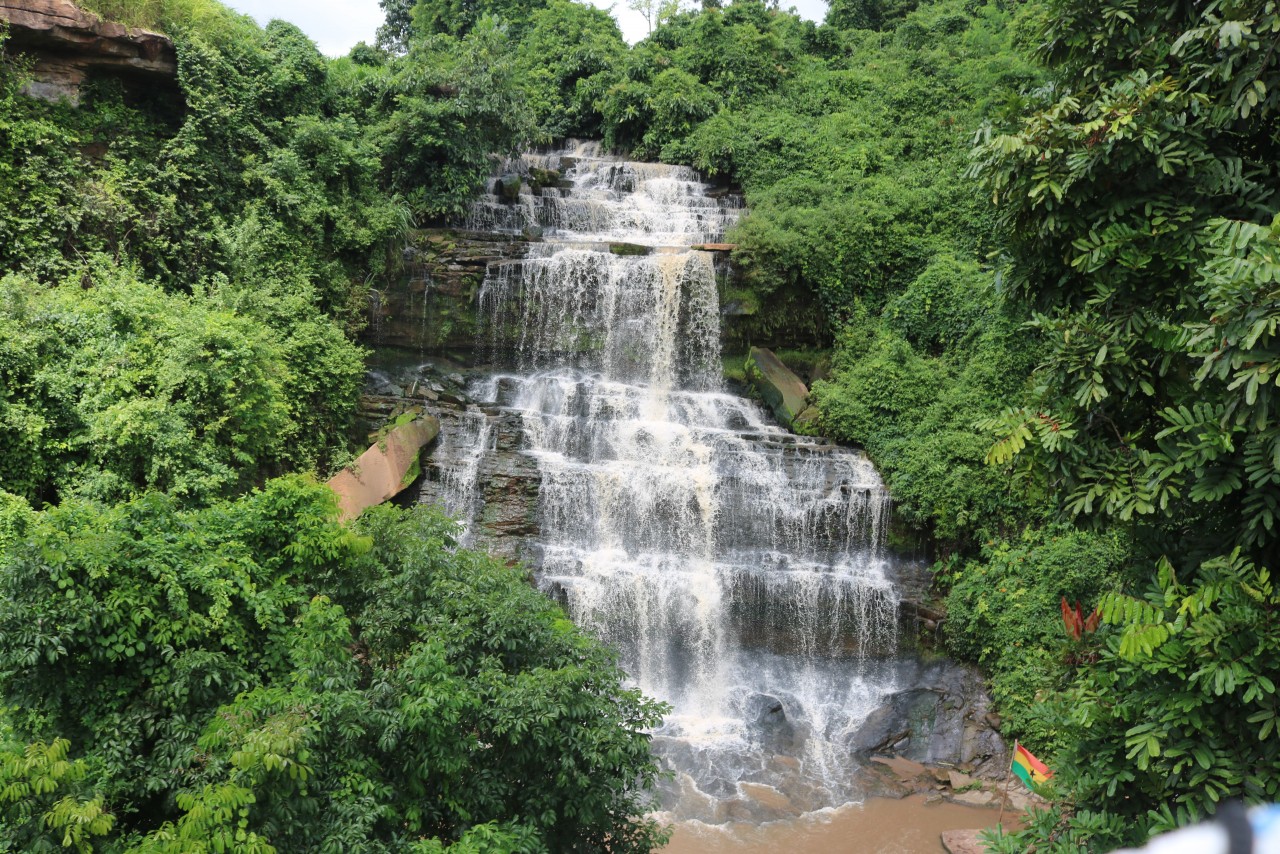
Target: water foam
739	570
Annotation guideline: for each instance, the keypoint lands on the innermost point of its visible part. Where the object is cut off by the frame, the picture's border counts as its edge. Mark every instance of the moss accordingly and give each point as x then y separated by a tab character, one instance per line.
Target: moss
808	364
629	249
734	368
742	301
415	469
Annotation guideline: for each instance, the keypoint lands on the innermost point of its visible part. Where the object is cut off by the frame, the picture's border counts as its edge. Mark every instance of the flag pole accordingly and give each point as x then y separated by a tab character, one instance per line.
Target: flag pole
1008	772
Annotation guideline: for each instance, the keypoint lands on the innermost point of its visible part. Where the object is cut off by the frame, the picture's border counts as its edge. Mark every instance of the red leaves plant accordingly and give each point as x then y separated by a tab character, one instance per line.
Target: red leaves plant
1076	623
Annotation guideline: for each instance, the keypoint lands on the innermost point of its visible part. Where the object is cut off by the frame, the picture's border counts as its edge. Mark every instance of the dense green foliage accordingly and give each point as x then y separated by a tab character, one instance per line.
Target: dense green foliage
1004	612
1058	347
567	58
109	386
170	16
254	671
193	656
1138	200
908	385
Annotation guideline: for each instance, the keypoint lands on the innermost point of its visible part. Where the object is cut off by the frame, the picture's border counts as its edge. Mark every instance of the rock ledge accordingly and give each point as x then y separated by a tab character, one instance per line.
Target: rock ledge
68	44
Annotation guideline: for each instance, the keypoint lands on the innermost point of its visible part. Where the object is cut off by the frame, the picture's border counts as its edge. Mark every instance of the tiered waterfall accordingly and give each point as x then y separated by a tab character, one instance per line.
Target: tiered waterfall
737	568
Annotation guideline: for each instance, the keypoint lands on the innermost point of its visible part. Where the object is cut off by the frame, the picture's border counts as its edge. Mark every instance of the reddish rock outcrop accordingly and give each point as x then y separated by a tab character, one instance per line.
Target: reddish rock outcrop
67	44
385	469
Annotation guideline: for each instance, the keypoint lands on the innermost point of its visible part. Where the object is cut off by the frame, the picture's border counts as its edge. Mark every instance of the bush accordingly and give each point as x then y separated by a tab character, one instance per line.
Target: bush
113	387
254	674
568	58
1004	612
915	412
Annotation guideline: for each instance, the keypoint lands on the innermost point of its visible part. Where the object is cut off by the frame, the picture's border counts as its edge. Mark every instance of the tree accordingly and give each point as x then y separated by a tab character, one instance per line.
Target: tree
459	17
396	30
1138	200
568	57
868	14
1109	195
655	12
256	674
457	105
113	387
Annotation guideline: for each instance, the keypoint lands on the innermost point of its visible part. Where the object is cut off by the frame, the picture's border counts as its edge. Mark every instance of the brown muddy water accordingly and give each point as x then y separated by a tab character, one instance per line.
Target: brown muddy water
879	826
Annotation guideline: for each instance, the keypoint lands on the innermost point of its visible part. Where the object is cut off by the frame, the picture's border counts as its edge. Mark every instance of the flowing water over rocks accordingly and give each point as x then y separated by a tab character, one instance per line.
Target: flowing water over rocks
740	570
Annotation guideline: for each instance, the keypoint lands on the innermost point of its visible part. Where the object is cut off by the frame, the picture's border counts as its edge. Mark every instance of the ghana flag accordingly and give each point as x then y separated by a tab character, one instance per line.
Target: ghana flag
1030	770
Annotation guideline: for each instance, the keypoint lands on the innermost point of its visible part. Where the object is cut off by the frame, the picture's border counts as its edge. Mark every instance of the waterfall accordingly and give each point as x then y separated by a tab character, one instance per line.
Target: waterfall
739	570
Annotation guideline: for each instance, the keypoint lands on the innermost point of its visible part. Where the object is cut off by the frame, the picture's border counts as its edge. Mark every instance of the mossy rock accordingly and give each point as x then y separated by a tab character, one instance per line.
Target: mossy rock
539	178
629	249
507	188
785	393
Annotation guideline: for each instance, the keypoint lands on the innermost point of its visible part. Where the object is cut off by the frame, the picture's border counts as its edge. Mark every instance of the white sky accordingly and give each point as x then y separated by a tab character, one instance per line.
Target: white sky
336	25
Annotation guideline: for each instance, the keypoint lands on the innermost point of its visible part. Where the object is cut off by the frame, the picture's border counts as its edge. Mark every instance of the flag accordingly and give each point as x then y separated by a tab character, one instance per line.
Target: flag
1030	770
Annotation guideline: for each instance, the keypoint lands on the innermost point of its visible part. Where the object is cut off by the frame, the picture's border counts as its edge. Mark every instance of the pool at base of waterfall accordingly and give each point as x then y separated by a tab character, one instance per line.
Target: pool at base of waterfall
780	745
908	825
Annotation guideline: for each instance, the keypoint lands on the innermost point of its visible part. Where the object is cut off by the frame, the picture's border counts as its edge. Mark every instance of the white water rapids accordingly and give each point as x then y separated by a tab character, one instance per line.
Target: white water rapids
738	569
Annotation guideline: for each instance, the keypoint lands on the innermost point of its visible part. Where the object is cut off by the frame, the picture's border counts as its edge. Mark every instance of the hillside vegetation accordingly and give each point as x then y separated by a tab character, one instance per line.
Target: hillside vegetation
1028	254
194	654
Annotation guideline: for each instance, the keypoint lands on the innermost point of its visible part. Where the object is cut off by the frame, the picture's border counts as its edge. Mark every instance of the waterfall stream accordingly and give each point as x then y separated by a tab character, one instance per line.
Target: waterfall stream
739	569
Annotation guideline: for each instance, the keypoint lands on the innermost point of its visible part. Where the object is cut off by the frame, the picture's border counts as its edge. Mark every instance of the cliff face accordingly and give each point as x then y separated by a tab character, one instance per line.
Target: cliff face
67	44
432	307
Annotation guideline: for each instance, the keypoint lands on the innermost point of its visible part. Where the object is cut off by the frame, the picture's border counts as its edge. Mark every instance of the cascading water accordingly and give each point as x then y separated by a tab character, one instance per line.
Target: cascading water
739	569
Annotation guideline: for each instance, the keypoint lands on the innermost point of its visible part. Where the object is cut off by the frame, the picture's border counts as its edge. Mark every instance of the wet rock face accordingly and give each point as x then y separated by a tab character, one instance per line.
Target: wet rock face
945	717
479	469
769	725
510	480
432	307
69	44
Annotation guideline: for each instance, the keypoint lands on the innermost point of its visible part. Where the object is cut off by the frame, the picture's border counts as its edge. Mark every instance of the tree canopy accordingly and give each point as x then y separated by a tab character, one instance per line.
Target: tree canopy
1024	253
1138	201
254	674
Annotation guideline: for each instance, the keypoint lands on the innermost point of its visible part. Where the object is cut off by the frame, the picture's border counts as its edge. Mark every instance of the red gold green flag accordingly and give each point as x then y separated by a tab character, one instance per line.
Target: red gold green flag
1030	770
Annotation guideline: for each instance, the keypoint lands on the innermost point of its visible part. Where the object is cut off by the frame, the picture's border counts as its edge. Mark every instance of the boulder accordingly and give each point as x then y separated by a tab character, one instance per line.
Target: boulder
913	775
507	188
385	469
942	718
962	842
539	178
976	798
767	799
769	723
892	726
784	391
67	44
807	421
